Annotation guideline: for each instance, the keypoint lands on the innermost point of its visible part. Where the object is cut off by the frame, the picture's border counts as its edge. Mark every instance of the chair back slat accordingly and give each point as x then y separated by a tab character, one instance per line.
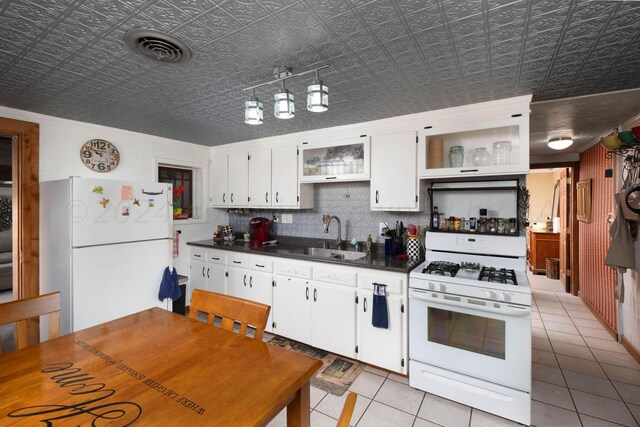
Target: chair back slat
231	310
347	410
20	311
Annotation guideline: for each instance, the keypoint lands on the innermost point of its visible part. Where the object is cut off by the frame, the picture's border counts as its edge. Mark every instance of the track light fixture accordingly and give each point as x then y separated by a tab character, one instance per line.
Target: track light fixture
284	107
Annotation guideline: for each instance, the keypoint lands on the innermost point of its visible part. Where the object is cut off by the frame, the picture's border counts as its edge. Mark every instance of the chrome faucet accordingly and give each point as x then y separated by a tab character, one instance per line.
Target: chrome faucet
326	220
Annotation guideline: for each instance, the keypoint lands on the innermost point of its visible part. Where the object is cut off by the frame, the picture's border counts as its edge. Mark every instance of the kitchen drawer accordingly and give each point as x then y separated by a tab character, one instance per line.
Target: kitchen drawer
261	263
331	274
198	254
216	257
293	269
238	260
395	284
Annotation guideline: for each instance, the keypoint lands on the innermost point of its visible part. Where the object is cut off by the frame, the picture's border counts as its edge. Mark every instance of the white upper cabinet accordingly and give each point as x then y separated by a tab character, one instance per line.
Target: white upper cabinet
285	189
343	160
219	180
394	182
239	179
260	178
492	147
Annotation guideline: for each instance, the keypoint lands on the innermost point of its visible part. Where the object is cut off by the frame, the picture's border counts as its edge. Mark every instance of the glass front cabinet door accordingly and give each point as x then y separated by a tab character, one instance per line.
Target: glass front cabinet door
493	147
343	160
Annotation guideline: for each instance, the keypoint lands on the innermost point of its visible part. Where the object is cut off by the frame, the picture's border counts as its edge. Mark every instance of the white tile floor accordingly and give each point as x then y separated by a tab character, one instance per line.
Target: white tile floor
581	377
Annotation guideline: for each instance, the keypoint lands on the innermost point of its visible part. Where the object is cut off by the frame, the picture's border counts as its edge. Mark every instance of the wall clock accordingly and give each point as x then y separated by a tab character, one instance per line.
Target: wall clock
99	155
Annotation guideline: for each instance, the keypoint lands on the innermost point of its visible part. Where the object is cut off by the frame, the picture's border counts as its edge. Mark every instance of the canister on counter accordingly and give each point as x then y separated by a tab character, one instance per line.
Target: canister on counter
466	226
500	225
456	224
442	221
472	224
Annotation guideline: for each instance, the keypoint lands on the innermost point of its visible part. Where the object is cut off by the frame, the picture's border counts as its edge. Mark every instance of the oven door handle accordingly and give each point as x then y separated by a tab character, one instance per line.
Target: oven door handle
504	309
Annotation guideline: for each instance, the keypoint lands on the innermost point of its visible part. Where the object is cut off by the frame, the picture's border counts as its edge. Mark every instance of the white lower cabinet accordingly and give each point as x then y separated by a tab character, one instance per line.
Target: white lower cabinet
293	311
333	319
314	302
316	314
378	346
252	285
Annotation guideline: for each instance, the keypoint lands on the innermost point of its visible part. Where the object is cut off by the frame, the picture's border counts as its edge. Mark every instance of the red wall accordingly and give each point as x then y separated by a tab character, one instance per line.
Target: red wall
597	281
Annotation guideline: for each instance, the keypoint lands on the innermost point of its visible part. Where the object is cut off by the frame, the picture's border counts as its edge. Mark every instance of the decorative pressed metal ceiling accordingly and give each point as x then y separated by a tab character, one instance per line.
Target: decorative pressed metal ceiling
69	58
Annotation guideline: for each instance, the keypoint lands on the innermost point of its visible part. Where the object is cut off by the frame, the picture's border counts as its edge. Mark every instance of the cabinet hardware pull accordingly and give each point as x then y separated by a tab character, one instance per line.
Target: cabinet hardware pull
245	280
251	281
215	259
277	201
259	265
237	262
377	196
207	273
364	304
224	196
469	170
202	271
197	256
266	197
331	177
315	295
231	197
307	293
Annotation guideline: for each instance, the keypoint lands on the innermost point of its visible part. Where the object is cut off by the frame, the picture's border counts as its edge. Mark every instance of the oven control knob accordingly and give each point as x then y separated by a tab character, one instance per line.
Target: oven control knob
431	286
488	294
443	288
503	296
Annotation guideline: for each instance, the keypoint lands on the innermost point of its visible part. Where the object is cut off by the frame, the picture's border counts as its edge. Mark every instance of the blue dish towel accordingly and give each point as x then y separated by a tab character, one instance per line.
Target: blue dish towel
380	314
169	287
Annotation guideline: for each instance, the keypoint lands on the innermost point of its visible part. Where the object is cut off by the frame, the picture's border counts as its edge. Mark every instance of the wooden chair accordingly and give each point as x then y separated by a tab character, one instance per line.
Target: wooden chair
231	310
347	410
20	311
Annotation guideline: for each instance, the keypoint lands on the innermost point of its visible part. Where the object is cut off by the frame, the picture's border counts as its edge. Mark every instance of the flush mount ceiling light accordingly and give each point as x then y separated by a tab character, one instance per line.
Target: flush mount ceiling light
284	107
560	143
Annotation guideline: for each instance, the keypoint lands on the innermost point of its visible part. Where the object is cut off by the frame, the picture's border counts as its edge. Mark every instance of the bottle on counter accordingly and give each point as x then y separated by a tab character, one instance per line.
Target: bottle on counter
435	217
456	224
369	244
500	226
473	225
483	226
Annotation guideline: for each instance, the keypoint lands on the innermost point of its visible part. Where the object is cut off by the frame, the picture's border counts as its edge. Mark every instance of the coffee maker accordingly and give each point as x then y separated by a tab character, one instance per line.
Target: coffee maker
260	230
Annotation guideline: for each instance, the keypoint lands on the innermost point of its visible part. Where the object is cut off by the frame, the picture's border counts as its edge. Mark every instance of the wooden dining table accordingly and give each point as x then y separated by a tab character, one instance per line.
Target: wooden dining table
154	368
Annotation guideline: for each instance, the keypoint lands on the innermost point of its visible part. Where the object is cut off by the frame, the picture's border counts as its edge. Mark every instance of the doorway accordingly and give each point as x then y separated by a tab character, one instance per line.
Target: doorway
6	219
25	224
552	236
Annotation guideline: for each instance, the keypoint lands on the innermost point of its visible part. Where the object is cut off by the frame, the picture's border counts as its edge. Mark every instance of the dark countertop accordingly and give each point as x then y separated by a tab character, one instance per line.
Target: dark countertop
293	248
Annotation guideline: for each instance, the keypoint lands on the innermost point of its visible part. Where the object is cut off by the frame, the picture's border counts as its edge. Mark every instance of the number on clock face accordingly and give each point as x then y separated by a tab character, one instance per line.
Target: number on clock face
99	155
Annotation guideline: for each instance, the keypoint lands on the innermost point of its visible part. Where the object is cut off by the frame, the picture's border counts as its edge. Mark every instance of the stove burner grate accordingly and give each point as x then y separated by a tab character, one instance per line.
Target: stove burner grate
498	275
442	268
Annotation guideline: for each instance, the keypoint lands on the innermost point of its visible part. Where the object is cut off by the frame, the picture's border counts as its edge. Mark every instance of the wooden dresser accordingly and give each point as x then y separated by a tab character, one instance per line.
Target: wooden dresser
542	245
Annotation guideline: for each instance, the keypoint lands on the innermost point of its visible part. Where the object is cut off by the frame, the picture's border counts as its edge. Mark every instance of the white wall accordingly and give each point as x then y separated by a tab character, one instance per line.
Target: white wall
60	142
540	186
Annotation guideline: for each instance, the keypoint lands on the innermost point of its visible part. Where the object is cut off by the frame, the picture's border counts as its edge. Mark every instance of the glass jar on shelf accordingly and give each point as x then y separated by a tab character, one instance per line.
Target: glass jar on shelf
502	152
481	157
456	156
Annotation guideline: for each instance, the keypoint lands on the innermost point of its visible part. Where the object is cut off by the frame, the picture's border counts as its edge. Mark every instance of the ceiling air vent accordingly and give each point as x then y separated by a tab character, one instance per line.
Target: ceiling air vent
157	45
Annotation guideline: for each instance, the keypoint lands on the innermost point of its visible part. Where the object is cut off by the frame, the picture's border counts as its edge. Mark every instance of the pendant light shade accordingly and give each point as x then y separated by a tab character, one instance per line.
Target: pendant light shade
317	96
284	107
253	111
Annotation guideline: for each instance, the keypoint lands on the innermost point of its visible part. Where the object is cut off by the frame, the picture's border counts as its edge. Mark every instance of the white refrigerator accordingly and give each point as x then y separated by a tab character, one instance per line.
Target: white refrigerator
104	246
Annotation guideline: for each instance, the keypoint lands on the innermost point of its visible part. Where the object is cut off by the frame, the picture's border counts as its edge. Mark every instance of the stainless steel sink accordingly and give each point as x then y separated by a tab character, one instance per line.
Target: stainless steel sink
334	253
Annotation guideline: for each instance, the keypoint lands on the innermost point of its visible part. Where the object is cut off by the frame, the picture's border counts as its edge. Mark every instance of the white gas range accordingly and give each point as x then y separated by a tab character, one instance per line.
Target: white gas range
470	322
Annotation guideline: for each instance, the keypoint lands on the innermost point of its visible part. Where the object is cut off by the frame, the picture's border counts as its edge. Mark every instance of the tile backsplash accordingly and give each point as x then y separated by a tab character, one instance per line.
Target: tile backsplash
349	201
